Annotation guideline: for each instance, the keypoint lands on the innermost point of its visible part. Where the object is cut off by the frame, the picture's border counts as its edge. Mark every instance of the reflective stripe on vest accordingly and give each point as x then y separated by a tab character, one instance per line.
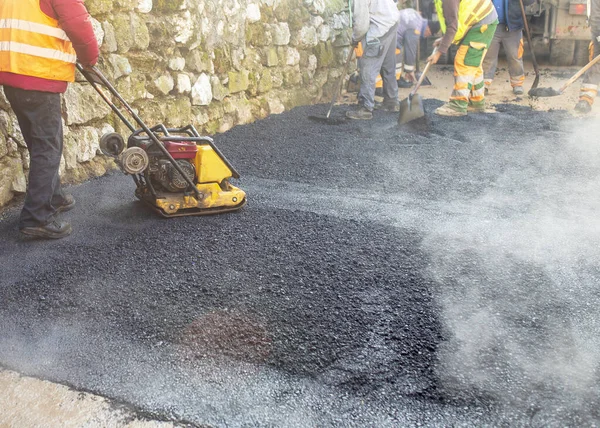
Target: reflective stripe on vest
33	44
470	12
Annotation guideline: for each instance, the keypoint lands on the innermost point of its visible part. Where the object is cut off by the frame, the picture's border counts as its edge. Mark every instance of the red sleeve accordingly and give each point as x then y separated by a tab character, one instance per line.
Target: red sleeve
75	20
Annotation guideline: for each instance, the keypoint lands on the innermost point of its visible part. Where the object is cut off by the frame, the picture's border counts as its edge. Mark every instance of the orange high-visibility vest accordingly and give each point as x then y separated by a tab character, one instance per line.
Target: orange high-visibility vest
33	44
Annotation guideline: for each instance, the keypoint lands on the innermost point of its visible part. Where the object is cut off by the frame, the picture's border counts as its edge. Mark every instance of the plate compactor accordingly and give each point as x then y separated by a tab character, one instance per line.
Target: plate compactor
176	171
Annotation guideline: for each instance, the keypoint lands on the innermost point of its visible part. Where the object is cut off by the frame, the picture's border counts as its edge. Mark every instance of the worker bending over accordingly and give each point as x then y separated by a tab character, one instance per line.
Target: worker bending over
374	26
471	25
411	28
509	34
591	78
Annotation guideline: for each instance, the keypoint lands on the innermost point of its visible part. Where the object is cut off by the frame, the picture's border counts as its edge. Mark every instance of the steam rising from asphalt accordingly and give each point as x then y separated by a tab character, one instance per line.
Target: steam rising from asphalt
519	275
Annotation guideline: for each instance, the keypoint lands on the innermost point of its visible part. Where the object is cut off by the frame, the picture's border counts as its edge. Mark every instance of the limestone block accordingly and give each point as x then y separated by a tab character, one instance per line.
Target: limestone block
291	77
177	63
340	21
82	104
110	38
144	6
324	54
316	21
178	112
281	34
184	27
270	58
265	84
7	172
140	33
277	78
3	145
292	56
169	5
97	7
275	105
16	131
13	148
238	81
25	158
324	33
253	12
123	33
3	101
312	65
98	31
88	143
316	7
19	182
184	84
5	124
199	61
127	4
259	34
164	84
237	58
306	38
202	91
119	66
219	90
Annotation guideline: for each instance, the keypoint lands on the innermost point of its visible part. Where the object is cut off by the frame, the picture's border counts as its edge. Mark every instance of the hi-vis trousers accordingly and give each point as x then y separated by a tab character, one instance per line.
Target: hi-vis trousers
512	41
469	88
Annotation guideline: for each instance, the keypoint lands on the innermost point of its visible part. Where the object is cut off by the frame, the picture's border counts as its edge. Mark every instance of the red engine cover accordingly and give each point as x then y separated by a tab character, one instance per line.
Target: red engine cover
181	149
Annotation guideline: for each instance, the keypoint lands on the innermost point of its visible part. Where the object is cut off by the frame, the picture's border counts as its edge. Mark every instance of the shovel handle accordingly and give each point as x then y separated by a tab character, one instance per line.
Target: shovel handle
578	74
420	81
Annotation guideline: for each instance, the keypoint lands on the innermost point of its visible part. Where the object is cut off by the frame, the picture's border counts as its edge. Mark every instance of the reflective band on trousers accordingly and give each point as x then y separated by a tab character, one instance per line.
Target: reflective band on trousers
470	12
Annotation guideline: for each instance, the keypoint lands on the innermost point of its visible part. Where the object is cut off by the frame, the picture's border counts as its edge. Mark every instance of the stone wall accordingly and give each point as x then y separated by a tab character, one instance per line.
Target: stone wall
212	63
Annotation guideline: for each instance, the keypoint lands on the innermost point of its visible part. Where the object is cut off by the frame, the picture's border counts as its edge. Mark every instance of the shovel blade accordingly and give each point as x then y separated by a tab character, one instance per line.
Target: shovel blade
411	109
543	92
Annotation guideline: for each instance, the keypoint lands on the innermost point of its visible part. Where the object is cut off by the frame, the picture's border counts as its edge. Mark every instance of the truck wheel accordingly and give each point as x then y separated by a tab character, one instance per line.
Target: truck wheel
562	52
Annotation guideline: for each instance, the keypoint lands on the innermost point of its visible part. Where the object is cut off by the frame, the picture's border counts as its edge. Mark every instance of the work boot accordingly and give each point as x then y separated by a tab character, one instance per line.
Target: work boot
361	113
518	90
53	230
446	110
583	107
387	106
68	203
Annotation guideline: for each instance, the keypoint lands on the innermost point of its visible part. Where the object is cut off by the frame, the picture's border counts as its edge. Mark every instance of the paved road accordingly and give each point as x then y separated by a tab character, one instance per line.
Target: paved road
442	274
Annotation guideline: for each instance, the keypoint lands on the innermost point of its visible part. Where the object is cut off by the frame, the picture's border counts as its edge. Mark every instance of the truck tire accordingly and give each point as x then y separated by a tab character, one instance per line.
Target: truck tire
562	52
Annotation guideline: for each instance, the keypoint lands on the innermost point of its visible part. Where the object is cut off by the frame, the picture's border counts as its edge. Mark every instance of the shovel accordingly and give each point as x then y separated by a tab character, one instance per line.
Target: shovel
327	118
411	108
550	92
536	69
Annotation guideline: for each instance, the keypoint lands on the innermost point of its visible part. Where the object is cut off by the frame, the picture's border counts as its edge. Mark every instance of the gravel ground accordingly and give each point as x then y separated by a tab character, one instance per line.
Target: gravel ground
443	273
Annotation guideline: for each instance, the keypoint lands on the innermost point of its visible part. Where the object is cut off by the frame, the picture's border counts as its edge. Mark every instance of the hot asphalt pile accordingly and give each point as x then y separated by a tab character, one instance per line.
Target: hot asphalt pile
379	276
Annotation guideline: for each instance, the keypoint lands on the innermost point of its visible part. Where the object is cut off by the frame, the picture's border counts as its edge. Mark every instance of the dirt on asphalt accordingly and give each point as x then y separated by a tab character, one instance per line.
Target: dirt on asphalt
442	273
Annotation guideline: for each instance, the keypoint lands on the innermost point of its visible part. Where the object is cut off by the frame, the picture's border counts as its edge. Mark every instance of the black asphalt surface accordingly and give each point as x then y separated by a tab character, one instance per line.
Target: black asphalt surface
444	273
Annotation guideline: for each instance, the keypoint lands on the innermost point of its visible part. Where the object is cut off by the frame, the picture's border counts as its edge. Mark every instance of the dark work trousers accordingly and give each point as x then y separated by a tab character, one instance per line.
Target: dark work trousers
39	115
379	56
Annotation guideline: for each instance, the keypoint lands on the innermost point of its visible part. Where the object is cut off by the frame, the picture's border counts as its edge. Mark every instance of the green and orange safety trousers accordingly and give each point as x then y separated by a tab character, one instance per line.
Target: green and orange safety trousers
469	87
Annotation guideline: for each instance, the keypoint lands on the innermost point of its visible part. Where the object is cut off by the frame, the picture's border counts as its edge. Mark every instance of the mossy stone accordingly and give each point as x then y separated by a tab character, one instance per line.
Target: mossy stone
168	5
238	81
97	7
258	34
222	60
265	84
325	54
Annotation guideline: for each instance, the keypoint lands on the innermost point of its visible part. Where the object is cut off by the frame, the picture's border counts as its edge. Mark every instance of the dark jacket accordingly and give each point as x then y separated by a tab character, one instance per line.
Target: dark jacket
509	13
75	20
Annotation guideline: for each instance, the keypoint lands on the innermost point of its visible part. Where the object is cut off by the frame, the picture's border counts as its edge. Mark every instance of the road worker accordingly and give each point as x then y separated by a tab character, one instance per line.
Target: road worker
40	41
411	28
470	24
509	35
374	26
591	78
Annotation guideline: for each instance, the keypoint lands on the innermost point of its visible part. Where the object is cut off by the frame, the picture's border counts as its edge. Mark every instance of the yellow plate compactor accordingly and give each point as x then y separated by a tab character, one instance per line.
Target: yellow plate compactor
177	172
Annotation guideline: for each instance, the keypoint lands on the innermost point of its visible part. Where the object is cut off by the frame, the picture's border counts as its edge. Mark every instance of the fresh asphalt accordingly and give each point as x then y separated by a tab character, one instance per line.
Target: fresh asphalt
443	273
